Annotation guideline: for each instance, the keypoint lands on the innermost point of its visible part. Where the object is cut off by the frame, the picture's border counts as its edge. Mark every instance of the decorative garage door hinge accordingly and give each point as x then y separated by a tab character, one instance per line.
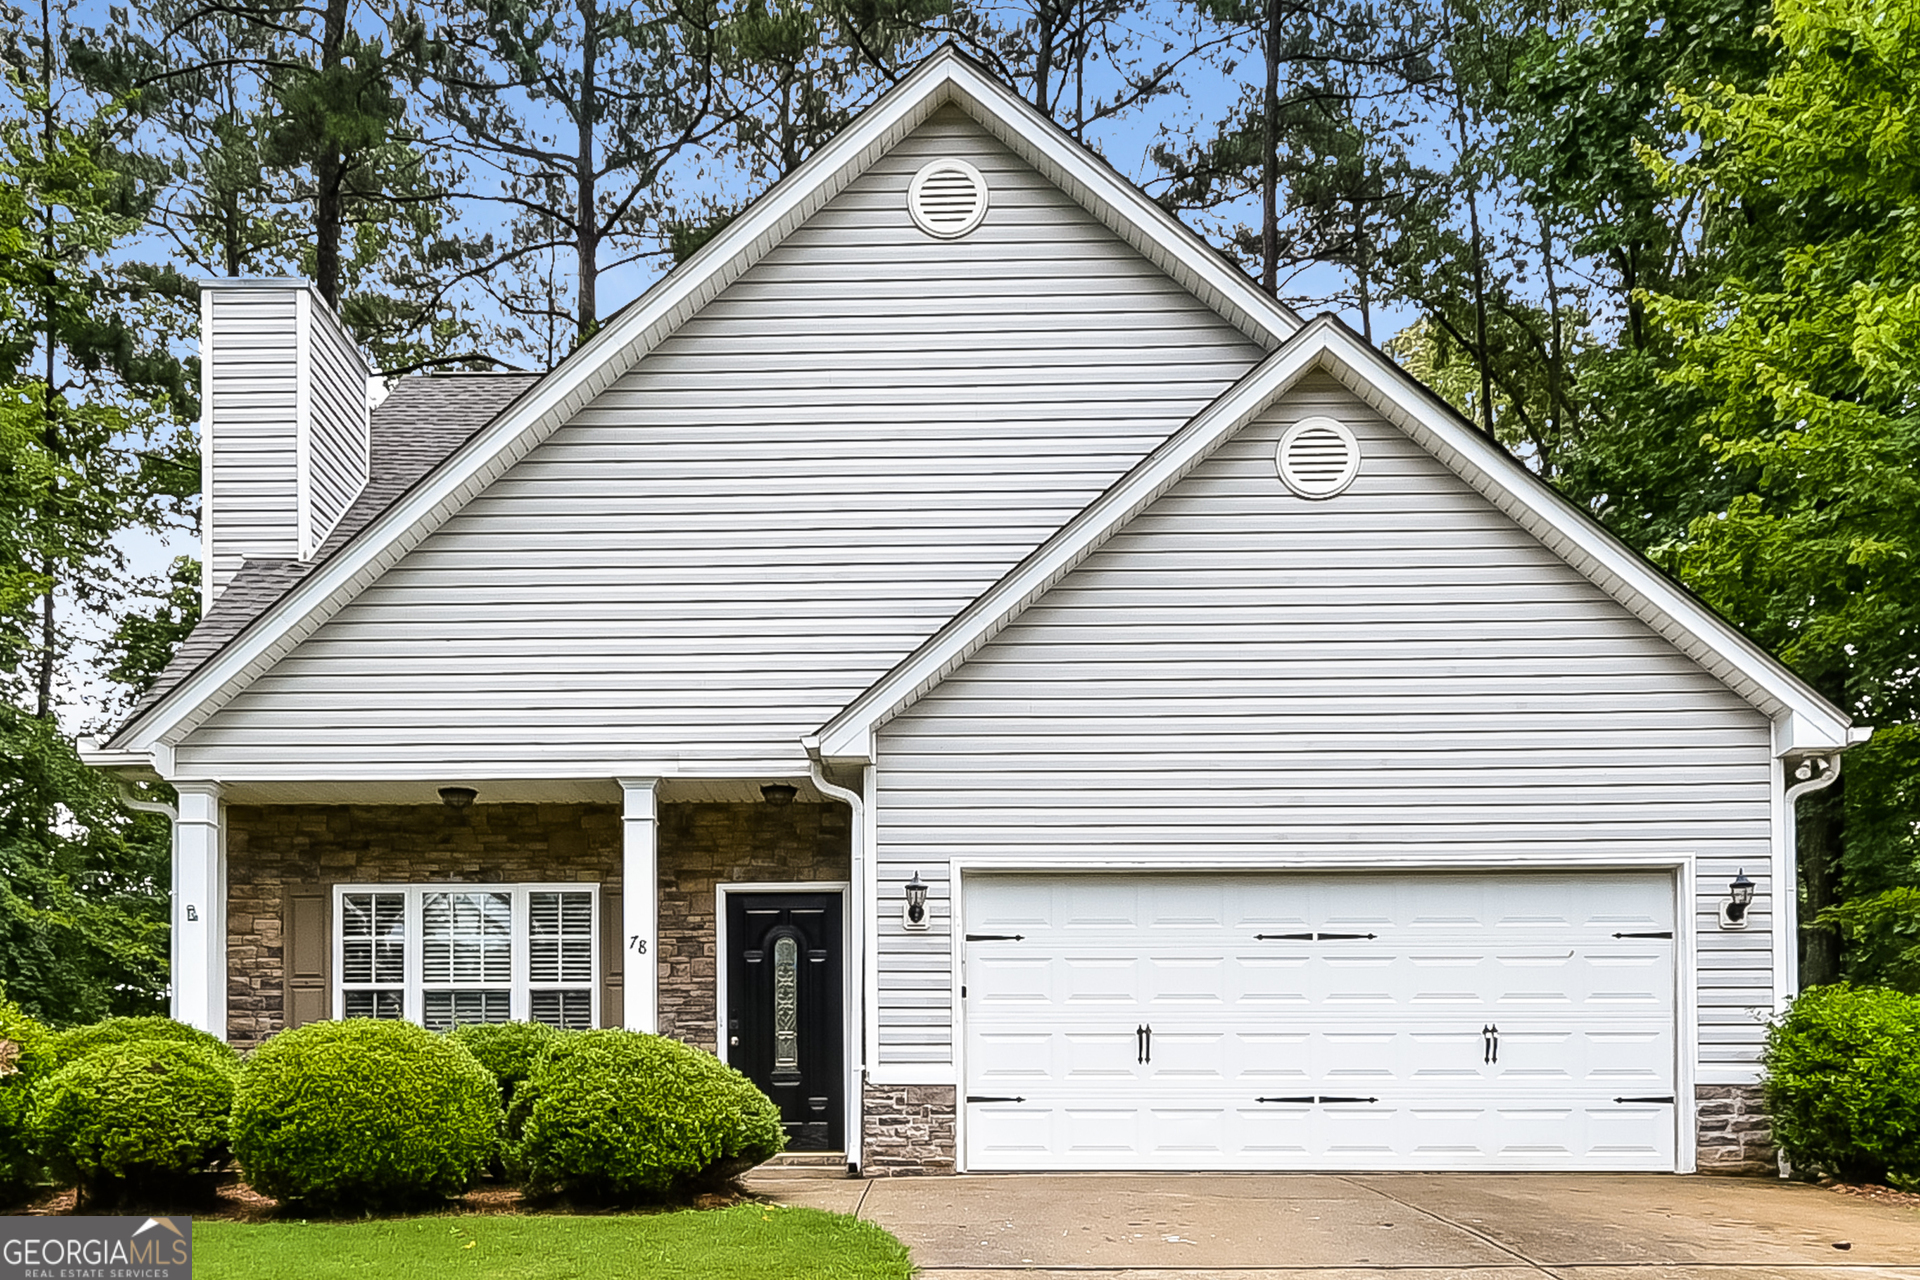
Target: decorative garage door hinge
976	1097
1308	1097
996	937
1663	933
1664	1098
1311	937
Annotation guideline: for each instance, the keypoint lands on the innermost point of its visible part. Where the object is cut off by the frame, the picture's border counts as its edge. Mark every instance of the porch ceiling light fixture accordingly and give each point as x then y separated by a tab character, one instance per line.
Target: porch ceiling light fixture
458	797
915	915
1733	912
779	792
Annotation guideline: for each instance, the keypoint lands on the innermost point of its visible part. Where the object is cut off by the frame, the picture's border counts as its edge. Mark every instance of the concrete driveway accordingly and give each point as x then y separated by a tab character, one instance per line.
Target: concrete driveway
1332	1227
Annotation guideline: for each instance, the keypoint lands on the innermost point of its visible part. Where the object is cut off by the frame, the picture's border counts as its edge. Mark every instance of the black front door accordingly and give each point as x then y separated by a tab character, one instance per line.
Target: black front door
783	1023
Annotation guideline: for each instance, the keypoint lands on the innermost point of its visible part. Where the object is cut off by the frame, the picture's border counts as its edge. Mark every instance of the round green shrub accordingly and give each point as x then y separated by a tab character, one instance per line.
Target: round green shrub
131	1120
621	1116
507	1049
1843	1084
363	1114
76	1043
26	1058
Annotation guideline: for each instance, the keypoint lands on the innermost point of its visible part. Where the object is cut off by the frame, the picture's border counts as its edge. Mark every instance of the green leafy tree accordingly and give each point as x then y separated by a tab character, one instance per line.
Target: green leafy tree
91	417
1804	362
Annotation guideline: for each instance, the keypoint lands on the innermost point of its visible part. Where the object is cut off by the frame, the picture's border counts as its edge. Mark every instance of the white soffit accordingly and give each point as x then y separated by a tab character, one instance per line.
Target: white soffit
947	77
1326	344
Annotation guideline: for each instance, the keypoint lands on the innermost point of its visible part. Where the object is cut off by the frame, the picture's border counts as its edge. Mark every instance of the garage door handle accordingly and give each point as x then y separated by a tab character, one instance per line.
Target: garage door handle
1491	1049
1321	1098
1311	937
1667	1098
1143	1044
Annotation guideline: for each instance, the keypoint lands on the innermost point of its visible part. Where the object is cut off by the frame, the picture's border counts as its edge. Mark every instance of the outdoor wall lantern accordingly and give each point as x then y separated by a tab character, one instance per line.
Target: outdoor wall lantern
779	792
915	915
1733	912
457	797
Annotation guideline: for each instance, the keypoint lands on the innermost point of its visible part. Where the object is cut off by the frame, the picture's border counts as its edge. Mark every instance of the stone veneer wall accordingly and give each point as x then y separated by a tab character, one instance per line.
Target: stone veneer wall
272	846
1735	1130
908	1129
705	845
701	845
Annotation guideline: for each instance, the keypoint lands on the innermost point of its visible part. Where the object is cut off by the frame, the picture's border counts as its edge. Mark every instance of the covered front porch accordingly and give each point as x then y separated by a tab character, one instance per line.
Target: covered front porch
718	912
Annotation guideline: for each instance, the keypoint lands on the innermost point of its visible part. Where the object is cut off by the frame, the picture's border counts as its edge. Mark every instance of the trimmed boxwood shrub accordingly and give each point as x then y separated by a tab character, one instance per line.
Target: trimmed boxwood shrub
621	1116
363	1114
76	1043
507	1049
26	1057
1843	1084
129	1121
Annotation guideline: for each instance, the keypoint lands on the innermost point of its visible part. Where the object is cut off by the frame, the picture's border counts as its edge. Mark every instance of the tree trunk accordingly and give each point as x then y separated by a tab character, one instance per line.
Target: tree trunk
1043	57
586	215
1821	826
49	415
330	169
1270	158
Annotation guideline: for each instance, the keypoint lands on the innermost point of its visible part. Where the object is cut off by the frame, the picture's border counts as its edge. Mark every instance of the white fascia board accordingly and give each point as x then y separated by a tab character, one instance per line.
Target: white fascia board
1325	343
946	77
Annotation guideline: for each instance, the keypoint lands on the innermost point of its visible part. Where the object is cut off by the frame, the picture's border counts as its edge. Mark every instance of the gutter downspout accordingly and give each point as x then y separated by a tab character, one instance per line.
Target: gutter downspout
131	798
862	922
1813	772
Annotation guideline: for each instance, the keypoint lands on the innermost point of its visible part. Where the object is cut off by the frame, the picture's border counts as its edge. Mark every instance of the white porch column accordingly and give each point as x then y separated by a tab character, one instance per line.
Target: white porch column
640	904
200	909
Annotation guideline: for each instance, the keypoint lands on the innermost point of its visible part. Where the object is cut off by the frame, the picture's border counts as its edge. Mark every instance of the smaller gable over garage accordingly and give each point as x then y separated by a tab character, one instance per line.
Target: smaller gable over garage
1802	719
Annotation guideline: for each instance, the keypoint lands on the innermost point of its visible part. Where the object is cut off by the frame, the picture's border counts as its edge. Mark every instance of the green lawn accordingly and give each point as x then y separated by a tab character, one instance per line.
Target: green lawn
746	1242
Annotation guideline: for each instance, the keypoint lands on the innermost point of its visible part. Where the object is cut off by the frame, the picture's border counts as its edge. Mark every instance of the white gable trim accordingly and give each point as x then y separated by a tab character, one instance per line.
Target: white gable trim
945	78
1802	718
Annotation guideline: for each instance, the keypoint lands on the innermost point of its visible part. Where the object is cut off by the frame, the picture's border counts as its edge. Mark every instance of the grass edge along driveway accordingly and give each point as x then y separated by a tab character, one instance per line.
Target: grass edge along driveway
744	1242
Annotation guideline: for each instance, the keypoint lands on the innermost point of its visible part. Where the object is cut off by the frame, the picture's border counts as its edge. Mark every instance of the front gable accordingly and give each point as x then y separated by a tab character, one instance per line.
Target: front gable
1399	677
816	470
1802	720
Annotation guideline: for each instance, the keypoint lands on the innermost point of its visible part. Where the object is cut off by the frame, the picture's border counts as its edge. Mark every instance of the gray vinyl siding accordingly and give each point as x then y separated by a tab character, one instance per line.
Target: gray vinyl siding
846	445
1401	672
337	451
253	502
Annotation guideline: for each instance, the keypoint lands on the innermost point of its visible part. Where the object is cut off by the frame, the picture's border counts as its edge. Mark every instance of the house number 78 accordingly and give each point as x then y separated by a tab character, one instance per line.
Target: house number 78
638	943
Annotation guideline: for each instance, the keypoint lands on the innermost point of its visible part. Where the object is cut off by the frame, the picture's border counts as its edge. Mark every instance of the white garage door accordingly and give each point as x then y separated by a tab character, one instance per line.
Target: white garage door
1416	1021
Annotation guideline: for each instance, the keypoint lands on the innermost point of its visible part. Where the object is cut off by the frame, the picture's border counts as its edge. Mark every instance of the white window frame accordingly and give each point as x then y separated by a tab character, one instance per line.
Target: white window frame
413	998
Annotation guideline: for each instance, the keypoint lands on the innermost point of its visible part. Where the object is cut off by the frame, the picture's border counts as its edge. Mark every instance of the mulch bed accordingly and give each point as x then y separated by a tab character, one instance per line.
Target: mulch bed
225	1198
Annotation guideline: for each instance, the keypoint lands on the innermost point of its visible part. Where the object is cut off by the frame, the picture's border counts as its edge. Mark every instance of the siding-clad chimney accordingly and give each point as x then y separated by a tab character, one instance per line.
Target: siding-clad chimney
283	424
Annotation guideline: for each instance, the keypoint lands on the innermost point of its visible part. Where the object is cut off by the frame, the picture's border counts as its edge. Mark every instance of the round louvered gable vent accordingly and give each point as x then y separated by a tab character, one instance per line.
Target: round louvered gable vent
947	198
1318	457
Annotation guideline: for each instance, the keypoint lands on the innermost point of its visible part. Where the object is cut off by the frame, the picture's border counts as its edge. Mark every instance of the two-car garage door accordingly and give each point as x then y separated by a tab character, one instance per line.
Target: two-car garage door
1274	1021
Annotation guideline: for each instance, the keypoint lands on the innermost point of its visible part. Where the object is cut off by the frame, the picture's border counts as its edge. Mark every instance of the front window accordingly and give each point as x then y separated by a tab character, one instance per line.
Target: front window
445	955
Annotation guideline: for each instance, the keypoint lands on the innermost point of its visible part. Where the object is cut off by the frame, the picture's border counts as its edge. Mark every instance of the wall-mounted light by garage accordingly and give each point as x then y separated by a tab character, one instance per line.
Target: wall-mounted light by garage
1733	912
914	915
779	793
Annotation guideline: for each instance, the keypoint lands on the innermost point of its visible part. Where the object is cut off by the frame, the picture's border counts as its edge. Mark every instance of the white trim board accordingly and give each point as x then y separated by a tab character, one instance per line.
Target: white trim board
1802	718
947	77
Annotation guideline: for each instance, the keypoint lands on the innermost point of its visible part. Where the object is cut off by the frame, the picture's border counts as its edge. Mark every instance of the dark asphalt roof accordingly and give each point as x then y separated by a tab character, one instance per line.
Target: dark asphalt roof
416	428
